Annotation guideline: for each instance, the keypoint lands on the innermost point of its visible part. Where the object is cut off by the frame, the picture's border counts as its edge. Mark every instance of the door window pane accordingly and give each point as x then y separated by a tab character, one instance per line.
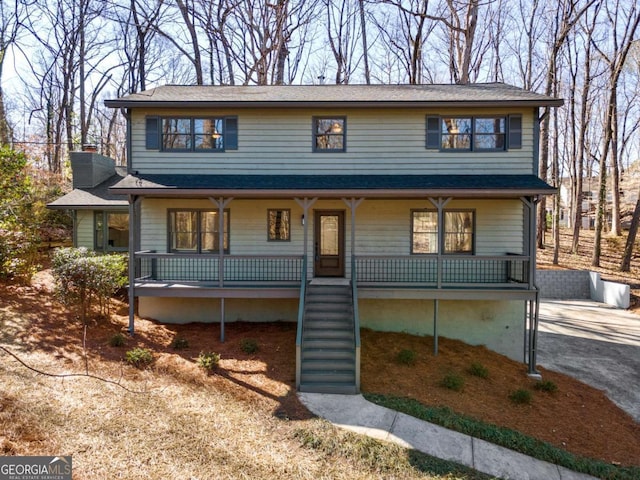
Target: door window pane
329	243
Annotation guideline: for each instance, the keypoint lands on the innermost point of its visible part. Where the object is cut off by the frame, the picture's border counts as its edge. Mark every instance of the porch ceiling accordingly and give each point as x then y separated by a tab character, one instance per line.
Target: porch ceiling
371	186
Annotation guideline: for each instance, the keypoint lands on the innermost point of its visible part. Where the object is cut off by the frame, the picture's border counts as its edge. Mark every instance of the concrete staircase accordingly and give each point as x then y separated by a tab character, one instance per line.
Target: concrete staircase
328	341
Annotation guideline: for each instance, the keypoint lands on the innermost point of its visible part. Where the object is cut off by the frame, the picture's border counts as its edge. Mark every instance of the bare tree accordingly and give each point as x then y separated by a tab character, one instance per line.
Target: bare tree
11	17
565	16
616	60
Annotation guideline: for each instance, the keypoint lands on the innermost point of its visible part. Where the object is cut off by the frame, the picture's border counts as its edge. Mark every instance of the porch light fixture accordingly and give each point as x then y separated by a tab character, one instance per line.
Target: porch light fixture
302	220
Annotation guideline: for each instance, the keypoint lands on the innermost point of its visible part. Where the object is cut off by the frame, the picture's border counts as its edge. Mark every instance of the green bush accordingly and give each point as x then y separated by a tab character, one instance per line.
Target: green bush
209	360
546	386
478	370
180	343
84	278
139	357
521	396
453	381
249	345
118	340
406	357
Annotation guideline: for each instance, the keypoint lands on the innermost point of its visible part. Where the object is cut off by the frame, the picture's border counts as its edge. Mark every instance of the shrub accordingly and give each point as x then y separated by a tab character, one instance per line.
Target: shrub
139	357
208	360
406	357
453	381
84	277
118	340
249	345
521	396
546	386
180	343
478	370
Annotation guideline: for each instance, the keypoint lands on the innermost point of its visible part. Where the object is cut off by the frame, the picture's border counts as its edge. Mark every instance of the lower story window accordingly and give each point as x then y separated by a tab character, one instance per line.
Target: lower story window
197	231
458	231
111	231
279	225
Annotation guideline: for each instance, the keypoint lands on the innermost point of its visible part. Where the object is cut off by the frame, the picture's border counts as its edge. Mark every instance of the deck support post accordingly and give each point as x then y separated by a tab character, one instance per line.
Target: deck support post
436	307
133	201
534	305
221	203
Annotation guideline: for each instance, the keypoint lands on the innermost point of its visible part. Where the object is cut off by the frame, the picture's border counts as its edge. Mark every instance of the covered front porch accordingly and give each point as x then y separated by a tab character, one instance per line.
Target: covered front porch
370	242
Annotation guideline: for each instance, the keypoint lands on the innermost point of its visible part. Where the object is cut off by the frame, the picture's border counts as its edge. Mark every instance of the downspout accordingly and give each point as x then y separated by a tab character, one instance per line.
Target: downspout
74	235
127	115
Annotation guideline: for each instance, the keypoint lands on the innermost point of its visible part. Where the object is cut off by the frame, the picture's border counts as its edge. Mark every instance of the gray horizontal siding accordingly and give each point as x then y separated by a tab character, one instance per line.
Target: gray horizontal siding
378	141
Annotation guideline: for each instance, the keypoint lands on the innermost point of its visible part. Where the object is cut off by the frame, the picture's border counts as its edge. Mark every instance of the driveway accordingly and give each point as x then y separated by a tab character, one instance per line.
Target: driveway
596	344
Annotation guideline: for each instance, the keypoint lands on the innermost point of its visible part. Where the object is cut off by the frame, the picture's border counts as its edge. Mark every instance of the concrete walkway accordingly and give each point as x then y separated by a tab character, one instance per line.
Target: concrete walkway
596	344
354	413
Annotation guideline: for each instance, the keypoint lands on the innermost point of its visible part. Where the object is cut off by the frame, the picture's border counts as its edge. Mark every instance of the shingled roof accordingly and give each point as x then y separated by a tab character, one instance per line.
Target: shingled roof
98	197
381	186
478	94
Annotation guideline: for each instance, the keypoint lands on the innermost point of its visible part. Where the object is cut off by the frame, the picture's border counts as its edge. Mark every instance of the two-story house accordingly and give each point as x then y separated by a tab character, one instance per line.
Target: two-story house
393	207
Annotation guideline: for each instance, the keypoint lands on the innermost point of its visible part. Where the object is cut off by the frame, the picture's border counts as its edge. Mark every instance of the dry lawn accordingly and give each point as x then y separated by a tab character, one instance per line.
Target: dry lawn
173	420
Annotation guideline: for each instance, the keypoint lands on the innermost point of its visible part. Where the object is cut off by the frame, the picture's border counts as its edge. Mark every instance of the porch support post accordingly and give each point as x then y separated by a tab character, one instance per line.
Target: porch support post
534	305
306	203
133	228
440	203
221	203
74	234
352	203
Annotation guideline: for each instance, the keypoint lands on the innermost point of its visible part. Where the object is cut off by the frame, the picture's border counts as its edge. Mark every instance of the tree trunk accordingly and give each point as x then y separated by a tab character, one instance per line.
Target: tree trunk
625	266
365	47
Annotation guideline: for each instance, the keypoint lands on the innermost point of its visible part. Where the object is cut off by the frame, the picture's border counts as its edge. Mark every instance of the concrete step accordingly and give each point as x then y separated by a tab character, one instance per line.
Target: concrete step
337	388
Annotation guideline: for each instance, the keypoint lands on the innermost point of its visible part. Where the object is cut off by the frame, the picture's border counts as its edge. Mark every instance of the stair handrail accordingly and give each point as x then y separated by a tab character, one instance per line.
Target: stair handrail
356	319
303	291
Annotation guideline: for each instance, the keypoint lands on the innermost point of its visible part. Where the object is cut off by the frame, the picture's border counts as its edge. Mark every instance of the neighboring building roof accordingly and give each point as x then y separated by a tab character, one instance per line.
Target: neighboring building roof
334	185
478	94
98	197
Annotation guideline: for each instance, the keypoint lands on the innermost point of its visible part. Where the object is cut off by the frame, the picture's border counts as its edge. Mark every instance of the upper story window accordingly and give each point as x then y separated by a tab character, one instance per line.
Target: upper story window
329	134
474	133
189	134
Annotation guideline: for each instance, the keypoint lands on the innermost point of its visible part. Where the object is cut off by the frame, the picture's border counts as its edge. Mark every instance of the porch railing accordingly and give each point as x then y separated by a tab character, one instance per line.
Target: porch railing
170	267
510	271
444	271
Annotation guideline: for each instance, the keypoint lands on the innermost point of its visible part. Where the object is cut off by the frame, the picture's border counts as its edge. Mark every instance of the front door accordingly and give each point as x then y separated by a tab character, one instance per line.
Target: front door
329	243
